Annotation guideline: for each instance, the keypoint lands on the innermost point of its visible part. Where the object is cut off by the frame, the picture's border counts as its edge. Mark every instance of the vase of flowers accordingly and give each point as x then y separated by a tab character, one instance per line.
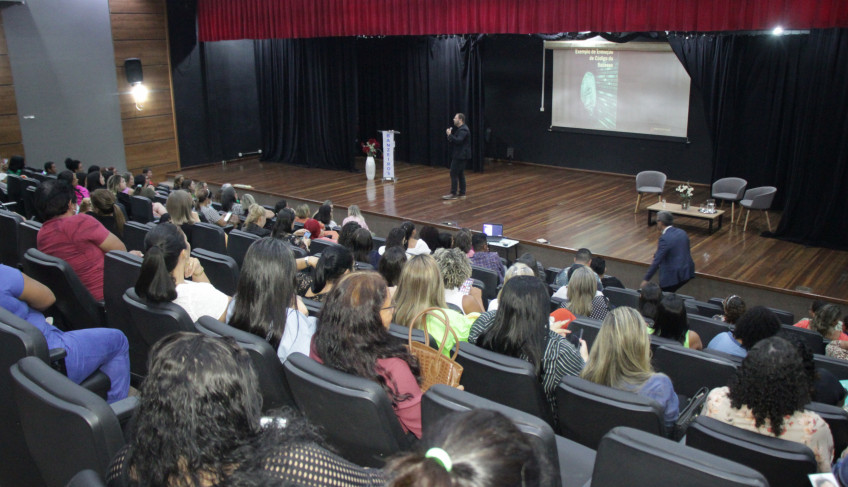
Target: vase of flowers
686	192
370	148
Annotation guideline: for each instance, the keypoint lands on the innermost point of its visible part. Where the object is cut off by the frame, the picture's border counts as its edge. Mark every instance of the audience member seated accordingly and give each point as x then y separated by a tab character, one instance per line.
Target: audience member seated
530	261
825	387
199	422
445	240
71	179
483	258
414	245
583	296
78	239
94	179
317	231
599	266
583	258
166	266
179	206
284	230
88	350
391	265
756	324
421	287
671	322
247	200
733	307
204	207
49	169
279	205
520	328
354	215
430	236
16	166
814	306
456	275
462	241
116	184
104	209
621	358
768	395
325	215
229	199
361	245
255	221
266	304
301	213
149	193
472	448
827	323
73	165
649	300
517	269
353	337
335	261
188	186
346	234
178	182
395	238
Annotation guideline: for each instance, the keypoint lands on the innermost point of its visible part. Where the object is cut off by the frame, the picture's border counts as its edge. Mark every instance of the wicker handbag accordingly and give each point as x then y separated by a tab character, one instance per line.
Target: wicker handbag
435	367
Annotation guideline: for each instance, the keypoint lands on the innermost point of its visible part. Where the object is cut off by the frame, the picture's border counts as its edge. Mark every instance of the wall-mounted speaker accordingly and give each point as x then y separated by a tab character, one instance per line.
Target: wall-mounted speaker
132	68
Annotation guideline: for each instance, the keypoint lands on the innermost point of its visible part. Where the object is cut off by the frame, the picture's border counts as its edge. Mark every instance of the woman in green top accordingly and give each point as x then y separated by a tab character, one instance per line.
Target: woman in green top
670	322
421	287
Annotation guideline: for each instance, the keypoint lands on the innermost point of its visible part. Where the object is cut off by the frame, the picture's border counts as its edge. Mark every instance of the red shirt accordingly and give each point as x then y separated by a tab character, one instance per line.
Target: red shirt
76	240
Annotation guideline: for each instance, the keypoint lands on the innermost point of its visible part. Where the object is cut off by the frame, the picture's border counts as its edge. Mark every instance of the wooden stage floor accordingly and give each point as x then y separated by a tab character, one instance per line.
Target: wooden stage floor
569	208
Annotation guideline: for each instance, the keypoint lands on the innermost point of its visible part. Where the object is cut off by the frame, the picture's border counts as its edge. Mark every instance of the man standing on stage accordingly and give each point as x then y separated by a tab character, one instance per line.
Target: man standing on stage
459	137
673	256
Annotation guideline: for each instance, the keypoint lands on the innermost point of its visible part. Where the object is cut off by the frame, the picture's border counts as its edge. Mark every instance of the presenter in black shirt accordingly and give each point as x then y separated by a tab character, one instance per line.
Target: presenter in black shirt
459	136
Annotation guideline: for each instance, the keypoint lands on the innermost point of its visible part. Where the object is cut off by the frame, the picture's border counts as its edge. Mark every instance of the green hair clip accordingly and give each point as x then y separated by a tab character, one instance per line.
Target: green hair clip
440	456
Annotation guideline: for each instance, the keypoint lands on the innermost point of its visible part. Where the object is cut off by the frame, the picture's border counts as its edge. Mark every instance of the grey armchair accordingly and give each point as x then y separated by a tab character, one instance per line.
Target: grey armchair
758	199
649	182
729	189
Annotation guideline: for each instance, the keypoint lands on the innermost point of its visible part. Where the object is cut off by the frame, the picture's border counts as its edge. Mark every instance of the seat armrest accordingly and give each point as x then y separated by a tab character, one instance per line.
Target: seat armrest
57	360
124	408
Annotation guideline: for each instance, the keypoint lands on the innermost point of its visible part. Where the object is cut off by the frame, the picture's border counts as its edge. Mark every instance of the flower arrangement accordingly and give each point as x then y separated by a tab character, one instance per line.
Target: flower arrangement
371	148
685	191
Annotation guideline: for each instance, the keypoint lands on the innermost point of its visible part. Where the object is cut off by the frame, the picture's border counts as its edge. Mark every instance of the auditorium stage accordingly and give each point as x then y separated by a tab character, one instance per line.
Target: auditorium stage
569	208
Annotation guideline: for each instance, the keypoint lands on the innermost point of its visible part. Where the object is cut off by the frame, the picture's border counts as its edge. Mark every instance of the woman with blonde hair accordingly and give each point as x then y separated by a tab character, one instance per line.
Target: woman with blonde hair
247	200
354	215
456	274
421	287
517	269
116	184
179	206
301	213
583	297
621	358
255	222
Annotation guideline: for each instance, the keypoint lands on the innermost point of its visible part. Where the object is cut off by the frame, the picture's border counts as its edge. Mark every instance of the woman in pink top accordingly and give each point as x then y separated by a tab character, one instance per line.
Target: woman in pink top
353	337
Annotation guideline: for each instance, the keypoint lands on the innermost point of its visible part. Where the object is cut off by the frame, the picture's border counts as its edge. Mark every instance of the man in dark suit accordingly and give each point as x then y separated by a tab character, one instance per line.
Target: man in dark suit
672	256
459	136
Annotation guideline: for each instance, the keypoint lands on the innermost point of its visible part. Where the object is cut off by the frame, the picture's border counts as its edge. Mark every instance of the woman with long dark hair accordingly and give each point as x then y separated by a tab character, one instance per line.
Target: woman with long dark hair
520	328
621	358
353	337
649	300
395	238
391	266
768	395
266	304
671	322
165	271
199	423
284	230
335	261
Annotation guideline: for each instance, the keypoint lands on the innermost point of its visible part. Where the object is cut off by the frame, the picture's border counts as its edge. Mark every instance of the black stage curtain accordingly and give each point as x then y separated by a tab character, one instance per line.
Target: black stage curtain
307	100
415	85
777	111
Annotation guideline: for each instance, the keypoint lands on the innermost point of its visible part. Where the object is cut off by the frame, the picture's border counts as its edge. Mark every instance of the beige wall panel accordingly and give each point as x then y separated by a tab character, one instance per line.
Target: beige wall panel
151	153
150	52
5	70
9	150
7	100
10	130
137	6
127	27
148	129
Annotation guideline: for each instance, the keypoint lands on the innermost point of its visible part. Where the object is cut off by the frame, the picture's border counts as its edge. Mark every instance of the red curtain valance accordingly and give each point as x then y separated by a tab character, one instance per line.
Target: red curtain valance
268	19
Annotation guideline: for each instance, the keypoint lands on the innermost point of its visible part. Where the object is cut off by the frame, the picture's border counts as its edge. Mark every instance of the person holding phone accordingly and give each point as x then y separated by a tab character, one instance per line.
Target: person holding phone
520	328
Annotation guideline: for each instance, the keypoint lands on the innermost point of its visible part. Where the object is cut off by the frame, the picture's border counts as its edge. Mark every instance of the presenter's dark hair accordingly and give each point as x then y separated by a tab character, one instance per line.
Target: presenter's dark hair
162	247
485	448
266	289
670	321
461	117
391	264
52	198
335	260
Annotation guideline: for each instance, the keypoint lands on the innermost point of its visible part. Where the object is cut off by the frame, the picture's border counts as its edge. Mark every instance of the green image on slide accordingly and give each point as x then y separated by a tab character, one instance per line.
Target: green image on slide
598	92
